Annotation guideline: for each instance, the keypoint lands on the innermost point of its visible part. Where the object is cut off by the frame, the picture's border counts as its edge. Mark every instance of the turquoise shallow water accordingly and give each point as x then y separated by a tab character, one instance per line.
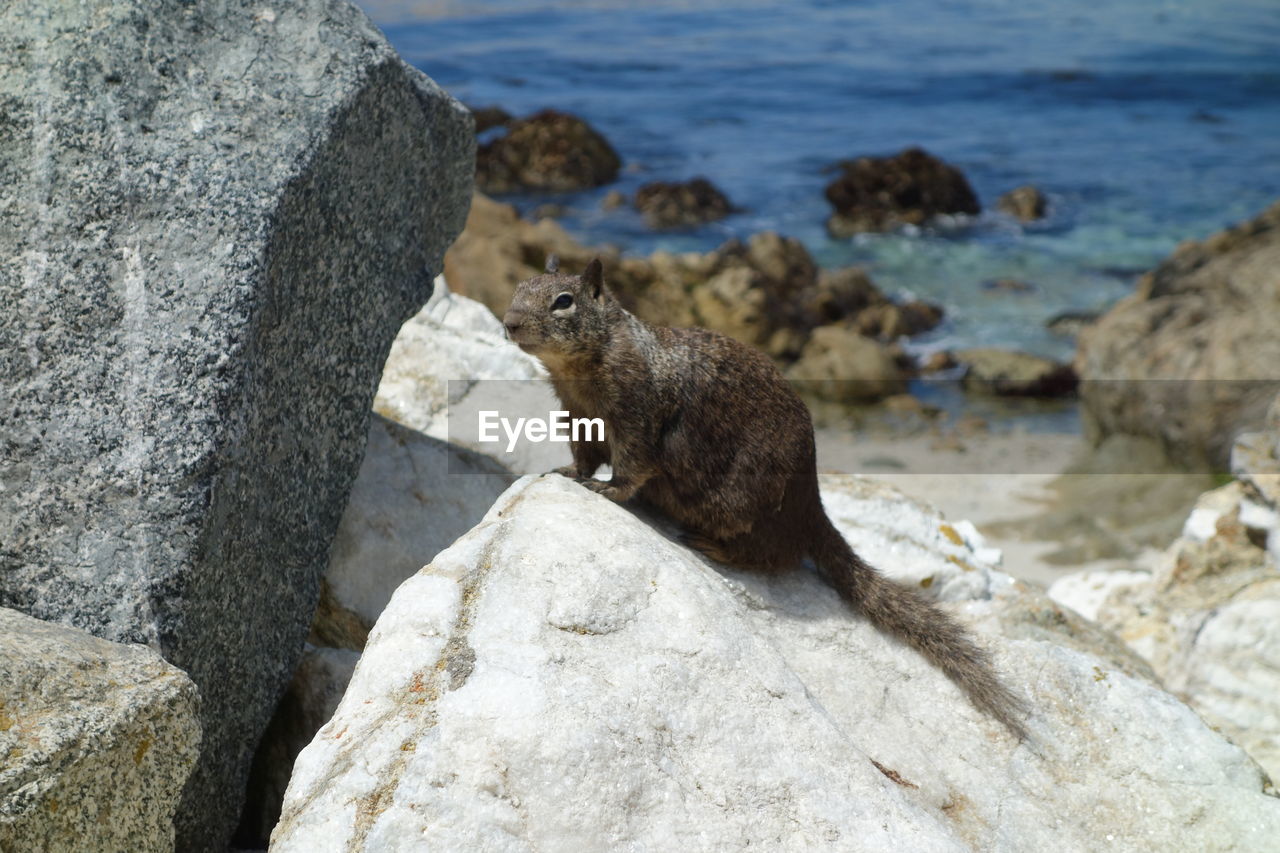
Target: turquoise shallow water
1146	122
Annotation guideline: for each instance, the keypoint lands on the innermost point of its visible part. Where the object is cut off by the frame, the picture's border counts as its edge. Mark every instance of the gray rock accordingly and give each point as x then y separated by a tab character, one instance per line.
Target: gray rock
213	220
98	739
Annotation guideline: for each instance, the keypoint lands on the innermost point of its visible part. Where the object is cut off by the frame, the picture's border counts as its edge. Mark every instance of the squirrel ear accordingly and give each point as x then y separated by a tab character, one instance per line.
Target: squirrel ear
593	277
553	263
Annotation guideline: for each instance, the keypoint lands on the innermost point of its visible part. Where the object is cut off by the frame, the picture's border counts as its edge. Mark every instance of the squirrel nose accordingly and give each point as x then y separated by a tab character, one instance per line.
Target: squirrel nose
513	321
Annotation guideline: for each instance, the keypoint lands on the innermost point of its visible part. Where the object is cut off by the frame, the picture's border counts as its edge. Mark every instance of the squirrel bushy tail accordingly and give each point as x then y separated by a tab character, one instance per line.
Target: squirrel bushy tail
905	614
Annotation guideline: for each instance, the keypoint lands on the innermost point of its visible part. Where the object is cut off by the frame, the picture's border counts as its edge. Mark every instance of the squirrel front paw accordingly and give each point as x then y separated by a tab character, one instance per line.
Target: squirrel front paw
570	471
601	487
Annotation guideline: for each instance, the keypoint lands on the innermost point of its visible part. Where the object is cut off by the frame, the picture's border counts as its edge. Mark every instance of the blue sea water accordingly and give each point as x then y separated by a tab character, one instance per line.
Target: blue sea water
1146	121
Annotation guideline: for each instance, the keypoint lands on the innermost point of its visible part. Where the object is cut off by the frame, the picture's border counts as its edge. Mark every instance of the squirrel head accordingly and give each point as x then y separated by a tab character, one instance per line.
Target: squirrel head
562	318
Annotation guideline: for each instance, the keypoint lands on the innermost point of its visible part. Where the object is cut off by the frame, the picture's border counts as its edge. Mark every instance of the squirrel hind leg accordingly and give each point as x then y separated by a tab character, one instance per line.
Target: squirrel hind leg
741	552
708	547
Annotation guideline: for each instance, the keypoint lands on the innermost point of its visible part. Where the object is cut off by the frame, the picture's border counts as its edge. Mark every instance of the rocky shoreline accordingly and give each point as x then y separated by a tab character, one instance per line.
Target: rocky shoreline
256	587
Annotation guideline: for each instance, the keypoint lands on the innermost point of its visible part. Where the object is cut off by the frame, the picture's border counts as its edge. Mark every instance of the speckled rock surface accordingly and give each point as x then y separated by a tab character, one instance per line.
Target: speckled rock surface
566	677
213	220
98	739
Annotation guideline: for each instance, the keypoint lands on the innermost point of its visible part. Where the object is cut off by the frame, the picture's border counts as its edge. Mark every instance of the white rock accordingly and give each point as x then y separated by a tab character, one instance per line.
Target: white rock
413	497
565	677
1258	516
1207	619
978	542
451	361
1087	592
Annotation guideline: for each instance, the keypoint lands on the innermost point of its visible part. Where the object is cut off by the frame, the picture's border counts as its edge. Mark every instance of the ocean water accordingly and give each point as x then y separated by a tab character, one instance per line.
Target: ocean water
1145	121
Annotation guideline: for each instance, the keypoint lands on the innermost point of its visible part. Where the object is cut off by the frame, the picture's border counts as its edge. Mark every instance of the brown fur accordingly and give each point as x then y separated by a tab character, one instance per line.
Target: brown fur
707	430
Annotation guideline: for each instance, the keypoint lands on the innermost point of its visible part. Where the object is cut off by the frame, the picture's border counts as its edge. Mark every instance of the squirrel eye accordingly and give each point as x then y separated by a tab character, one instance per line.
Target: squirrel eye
563	301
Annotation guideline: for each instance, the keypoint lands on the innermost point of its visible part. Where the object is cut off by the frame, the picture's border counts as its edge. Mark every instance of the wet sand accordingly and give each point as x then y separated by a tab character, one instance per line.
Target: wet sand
1051	503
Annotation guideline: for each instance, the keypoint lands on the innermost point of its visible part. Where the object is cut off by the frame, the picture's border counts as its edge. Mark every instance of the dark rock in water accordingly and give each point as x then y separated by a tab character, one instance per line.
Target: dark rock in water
1071	323
910	188
843	293
938	361
1026	203
548	151
213	220
1192	357
1015	374
1008	285
890	321
672	205
488	118
767	291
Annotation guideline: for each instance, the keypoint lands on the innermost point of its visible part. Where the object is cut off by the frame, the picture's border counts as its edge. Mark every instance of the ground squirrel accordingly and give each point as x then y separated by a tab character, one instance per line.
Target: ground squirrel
706	430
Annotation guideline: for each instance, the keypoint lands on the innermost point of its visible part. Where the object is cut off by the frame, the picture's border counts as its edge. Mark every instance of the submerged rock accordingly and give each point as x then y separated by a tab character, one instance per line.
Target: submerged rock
1026	203
213	219
675	205
98	739
547	151
1015	374
566	677
1193	357
909	188
1008	285
1071	323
